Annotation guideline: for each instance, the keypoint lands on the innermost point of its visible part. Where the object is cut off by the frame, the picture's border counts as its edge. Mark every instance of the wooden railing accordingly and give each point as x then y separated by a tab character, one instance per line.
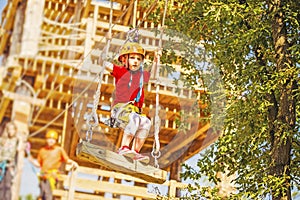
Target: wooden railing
95	184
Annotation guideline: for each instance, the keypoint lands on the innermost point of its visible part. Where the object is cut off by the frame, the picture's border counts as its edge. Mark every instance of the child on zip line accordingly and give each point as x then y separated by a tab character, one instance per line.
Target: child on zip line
128	100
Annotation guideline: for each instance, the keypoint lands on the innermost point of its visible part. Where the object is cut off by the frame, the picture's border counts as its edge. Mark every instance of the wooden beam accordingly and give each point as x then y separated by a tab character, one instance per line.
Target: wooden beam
20	97
126	19
87	9
8	23
179	143
112	160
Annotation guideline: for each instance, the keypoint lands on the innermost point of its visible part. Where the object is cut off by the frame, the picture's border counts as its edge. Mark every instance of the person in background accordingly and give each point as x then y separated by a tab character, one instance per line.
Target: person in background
9	147
49	159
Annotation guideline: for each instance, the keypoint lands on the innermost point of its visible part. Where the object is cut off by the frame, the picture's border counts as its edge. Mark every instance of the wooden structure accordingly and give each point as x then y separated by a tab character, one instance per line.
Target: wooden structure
54	46
111	184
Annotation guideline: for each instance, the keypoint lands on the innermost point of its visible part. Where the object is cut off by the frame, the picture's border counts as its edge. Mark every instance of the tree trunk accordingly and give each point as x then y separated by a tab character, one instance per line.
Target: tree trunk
282	113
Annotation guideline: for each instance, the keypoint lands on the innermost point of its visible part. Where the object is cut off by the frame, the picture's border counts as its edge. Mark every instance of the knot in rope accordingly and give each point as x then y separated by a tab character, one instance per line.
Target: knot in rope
133	35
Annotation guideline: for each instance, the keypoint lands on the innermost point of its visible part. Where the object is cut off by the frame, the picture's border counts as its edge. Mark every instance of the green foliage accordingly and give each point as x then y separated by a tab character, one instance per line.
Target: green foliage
27	197
261	84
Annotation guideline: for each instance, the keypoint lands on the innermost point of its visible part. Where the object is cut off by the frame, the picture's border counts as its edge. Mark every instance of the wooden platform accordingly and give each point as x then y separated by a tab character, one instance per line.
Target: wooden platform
93	153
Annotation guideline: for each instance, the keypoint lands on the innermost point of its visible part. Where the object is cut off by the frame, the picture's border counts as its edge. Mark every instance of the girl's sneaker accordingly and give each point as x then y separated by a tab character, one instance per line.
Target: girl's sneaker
124	151
141	158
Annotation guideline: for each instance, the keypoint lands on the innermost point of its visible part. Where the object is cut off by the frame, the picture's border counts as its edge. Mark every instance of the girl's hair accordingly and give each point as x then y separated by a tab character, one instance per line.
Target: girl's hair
5	133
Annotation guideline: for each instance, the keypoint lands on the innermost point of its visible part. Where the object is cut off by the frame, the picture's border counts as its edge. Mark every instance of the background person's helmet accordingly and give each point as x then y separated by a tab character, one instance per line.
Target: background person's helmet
52	134
131	47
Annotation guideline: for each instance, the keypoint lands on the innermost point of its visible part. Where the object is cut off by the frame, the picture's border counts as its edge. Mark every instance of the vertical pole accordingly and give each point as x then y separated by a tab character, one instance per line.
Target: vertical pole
20	115
72	181
172	189
32	27
65	126
134	13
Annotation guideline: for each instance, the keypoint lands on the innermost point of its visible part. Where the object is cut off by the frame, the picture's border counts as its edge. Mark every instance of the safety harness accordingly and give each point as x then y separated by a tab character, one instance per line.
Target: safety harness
120	112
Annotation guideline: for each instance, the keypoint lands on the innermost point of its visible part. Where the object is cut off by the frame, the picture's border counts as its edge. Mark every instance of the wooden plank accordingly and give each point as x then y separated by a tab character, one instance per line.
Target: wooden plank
112	160
109	174
90	186
78	196
114	188
27	99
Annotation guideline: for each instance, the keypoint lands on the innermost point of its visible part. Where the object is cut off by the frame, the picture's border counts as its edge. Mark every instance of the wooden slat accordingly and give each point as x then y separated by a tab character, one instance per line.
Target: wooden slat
113	188
27	99
112	160
63	194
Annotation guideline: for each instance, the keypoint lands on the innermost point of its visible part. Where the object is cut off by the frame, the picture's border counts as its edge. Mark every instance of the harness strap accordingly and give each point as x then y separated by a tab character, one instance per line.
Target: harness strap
3	168
139	94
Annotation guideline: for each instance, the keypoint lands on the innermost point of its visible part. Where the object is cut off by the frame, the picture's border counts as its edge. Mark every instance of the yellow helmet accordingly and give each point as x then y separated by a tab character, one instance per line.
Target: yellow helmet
131	47
52	134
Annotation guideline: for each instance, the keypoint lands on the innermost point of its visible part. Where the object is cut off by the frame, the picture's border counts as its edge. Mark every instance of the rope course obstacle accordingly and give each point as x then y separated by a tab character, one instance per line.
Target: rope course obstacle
110	159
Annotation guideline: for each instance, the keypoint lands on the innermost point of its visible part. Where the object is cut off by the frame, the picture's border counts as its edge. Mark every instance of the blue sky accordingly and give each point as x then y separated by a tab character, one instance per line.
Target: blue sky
2	4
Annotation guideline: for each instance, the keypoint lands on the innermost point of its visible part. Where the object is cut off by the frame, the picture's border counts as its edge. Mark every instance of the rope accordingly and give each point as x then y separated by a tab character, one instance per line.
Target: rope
60	114
93	115
156	144
132	34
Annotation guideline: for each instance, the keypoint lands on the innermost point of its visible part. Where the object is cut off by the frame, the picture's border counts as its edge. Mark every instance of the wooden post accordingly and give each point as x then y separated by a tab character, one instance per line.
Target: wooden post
88	40
172	189
32	27
17	31
72	182
175	175
65	127
134	14
20	115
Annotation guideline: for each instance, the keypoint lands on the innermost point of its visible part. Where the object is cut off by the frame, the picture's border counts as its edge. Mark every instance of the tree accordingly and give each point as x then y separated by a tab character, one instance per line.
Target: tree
256	46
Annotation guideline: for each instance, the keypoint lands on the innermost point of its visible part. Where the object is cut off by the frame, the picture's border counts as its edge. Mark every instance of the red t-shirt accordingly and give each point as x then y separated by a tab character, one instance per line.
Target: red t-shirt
51	157
128	85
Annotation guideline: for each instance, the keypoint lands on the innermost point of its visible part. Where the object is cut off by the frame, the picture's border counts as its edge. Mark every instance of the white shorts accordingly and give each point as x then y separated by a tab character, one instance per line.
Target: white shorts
133	123
138	125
